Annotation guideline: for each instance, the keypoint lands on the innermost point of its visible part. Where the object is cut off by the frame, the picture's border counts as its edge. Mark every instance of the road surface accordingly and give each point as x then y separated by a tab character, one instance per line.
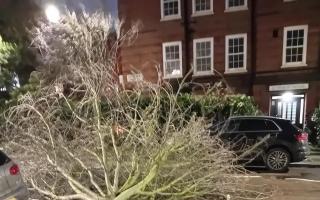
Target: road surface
297	184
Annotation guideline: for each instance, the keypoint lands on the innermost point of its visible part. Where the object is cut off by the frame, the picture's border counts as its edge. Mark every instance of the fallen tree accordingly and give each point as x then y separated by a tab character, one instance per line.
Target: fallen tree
79	136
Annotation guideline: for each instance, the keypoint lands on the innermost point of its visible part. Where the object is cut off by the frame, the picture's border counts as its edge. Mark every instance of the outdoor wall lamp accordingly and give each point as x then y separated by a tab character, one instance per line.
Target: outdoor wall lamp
52	13
287	97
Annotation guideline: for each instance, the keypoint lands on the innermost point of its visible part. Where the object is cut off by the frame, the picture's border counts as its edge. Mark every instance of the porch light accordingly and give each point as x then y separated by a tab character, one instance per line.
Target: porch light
52	13
287	97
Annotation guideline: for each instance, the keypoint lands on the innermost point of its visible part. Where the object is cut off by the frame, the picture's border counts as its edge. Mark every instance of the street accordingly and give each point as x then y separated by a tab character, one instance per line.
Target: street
297	184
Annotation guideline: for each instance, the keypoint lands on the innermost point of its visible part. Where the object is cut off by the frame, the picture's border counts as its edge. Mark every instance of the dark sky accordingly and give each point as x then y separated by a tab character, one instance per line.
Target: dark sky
113	4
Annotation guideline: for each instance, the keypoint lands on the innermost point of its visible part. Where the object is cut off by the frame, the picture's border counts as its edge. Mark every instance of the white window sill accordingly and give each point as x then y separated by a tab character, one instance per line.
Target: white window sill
238	71
202	13
293	65
170	18
235	9
203	74
172	76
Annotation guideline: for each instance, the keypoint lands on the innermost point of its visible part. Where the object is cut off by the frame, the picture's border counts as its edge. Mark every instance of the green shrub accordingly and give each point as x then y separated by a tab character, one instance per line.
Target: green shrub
314	126
211	106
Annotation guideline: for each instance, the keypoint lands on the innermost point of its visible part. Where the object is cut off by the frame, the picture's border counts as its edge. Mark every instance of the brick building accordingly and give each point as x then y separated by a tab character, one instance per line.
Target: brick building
265	48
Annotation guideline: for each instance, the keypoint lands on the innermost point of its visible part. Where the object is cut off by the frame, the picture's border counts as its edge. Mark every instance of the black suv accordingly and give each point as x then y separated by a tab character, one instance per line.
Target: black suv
278	141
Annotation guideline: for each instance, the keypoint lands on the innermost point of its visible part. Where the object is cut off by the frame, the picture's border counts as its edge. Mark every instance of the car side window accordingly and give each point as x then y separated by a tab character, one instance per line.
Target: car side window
271	126
233	126
3	158
253	125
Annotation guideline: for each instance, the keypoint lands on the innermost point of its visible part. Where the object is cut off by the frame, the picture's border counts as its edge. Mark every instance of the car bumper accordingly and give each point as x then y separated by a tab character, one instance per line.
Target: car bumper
301	154
19	194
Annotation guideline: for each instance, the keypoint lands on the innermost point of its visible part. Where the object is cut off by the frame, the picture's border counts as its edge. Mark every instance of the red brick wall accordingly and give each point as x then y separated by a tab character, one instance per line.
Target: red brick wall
146	53
271	16
262	97
274	15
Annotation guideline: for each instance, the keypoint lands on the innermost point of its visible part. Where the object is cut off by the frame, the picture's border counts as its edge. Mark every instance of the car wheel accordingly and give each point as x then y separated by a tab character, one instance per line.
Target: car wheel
278	160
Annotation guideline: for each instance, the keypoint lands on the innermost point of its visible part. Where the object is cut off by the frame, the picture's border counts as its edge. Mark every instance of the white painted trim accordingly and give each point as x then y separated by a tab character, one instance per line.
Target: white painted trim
288	87
170	17
305	46
138	77
302	179
245	51
280	97
201	13
237	8
236	71
164	45
203	73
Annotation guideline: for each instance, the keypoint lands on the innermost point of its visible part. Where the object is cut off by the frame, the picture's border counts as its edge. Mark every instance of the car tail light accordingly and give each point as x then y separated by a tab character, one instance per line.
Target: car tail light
302	137
14	169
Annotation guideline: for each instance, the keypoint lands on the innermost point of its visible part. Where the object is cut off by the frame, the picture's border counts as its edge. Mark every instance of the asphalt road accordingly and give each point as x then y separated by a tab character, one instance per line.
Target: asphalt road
297	184
312	174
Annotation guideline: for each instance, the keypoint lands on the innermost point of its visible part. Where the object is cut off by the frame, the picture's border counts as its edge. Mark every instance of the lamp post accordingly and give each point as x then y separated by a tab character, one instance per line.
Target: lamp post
52	13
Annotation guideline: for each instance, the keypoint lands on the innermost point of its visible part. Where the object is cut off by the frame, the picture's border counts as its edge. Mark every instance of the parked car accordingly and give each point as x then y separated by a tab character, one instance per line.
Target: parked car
12	186
278	142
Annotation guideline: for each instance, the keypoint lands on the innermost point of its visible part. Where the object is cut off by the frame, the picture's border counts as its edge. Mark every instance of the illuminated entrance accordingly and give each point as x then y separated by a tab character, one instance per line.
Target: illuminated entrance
289	106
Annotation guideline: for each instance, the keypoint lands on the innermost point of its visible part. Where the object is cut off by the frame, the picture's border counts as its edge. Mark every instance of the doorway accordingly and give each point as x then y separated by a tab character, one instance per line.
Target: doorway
289	106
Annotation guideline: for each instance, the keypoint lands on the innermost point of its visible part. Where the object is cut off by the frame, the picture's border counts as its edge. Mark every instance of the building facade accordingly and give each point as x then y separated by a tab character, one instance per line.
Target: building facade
265	48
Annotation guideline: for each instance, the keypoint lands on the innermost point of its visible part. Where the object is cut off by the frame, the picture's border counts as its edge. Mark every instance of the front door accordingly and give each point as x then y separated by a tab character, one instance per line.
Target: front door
291	109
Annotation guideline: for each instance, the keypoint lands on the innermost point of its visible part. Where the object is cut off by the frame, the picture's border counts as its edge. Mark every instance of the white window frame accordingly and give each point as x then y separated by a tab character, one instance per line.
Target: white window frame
245	44
170	17
305	46
203	73
238	8
201	13
164	45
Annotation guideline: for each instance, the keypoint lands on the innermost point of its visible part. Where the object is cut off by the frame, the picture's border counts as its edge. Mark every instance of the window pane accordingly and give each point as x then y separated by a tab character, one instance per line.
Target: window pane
294	45
172	60
202	5
203	56
236	52
170	7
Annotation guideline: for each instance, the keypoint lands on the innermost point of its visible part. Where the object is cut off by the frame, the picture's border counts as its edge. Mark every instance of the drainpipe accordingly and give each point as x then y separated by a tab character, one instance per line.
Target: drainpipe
253	62
187	38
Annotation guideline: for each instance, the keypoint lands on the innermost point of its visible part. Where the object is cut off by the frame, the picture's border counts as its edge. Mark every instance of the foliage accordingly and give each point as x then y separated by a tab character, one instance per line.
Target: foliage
314	127
16	18
80	137
211	106
8	54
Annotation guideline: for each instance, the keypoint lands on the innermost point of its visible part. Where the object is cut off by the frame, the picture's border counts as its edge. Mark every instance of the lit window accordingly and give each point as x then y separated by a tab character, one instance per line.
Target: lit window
236	53
295	46
203	56
236	5
170	9
172	60
202	7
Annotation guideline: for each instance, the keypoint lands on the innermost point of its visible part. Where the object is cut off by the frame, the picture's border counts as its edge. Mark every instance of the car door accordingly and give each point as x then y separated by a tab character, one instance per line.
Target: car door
232	136
4	185
259	135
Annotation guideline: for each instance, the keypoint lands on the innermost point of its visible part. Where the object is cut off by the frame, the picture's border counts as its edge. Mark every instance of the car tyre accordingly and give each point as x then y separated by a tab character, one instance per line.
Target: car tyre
278	160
